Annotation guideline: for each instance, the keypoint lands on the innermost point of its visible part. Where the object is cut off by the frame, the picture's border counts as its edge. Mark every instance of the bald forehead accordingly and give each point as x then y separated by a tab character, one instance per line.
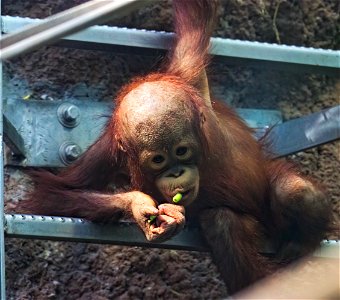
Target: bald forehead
151	99
163	134
156	114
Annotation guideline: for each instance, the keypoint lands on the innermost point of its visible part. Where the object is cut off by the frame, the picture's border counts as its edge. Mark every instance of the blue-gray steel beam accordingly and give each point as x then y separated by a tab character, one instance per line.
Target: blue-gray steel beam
120	233
306	132
74	229
36	122
64	23
105	35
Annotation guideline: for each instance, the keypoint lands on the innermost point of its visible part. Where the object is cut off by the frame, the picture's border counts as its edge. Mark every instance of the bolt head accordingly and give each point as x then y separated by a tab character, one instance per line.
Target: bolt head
71	114
72	152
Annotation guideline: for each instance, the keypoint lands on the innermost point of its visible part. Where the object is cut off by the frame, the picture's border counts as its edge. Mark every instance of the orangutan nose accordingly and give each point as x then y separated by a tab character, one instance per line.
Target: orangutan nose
176	172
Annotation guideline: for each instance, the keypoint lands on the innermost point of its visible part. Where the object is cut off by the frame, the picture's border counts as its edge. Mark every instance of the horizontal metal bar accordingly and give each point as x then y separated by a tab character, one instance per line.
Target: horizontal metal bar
79	230
120	233
306	132
105	35
276	53
64	23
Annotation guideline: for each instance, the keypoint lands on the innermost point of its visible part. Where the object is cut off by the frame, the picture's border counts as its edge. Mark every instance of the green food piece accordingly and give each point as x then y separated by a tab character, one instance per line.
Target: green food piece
26	97
152	219
178	197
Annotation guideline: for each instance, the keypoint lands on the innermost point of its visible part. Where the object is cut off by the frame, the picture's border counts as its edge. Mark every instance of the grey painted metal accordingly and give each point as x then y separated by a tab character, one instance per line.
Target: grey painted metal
105	35
12	138
2	219
74	229
306	132
37	123
47	142
120	233
64	23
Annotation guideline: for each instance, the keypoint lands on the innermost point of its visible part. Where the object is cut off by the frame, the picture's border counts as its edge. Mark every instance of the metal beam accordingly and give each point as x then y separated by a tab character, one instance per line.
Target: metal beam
305	132
79	230
45	137
64	23
102	36
120	233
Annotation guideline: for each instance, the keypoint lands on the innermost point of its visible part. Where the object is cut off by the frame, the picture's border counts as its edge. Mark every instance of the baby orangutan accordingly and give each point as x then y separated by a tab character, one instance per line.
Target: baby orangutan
166	137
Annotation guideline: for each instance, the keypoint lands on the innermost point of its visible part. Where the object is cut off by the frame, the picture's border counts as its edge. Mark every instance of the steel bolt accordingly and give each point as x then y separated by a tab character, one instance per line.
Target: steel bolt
69	152
72	152
68	115
71	113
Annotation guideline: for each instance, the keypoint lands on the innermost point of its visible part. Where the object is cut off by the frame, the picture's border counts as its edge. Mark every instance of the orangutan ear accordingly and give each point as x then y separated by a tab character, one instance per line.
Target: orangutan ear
202	118
203	86
120	145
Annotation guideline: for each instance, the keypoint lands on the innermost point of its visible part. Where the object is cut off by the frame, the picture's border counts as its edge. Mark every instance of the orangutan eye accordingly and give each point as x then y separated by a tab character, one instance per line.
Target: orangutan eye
158	159
181	151
184	153
158	162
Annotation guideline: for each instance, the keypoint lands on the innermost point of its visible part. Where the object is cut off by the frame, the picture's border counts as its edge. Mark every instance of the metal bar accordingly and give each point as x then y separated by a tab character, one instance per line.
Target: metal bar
276	53
105	35
54	20
120	233
79	230
2	220
305	132
12	138
64	23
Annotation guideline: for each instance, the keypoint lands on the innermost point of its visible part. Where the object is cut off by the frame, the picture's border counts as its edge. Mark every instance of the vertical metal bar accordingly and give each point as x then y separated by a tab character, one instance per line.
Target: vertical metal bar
2	219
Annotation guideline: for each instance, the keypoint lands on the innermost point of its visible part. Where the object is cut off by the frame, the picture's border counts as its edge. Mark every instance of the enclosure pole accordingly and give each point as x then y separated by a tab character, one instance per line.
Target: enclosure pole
65	23
2	238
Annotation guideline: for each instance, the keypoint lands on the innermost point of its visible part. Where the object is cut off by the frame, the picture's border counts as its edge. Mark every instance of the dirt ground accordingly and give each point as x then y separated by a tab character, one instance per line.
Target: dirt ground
59	270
